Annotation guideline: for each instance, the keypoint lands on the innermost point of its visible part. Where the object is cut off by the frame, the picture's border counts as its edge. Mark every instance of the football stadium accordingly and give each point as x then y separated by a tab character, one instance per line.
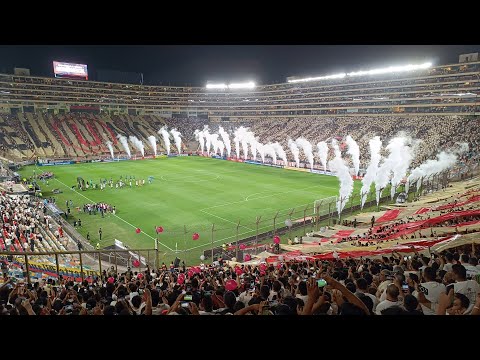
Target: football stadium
332	194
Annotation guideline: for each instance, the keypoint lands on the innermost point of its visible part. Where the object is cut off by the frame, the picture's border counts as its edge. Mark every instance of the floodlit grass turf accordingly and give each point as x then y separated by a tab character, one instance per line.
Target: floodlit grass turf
187	191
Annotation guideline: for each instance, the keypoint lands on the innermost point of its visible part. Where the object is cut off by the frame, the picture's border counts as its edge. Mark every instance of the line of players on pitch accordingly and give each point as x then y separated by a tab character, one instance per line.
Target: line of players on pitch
118	184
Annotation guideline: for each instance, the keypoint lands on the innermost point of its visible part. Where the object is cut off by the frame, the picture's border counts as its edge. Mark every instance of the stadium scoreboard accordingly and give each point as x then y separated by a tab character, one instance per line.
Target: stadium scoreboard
68	70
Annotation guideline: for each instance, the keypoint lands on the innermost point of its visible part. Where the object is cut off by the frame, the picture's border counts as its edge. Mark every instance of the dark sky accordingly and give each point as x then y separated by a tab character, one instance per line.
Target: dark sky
195	64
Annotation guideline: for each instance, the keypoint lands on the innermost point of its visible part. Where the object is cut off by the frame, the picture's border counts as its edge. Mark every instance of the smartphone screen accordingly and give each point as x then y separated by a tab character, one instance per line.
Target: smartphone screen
405	287
321	283
187	298
184	304
448	287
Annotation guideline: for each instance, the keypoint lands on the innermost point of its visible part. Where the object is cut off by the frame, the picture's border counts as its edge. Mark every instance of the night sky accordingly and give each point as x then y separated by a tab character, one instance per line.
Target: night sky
195	64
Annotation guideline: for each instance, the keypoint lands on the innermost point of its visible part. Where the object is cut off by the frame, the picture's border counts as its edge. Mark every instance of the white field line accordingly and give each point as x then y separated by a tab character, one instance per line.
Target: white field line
226	238
226	220
267	196
261	228
193	181
91	201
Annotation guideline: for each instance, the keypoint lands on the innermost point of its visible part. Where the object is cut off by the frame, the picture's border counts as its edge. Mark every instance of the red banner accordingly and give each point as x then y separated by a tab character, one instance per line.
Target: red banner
389	215
451	206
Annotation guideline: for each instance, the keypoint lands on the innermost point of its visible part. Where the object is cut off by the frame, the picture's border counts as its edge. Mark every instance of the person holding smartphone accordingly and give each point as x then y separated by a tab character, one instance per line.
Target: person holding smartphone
429	292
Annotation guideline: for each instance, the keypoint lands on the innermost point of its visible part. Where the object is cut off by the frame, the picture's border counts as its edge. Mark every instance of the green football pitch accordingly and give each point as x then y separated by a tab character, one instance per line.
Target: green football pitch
188	195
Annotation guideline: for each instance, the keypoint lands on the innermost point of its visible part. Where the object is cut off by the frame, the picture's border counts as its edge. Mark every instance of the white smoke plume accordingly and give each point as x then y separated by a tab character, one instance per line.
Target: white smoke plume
253	144
280	152
295	151
261	151
270	151
166	138
354	152
402	154
375	146
177	138
226	140
199	136
213	138
339	168
110	147
217	144
153	143
208	140
322	152
123	140
236	140
221	147
242	134
443	161
307	149
137	143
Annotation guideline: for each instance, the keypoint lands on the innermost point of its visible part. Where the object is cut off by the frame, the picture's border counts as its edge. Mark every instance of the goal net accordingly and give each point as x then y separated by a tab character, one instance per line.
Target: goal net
320	207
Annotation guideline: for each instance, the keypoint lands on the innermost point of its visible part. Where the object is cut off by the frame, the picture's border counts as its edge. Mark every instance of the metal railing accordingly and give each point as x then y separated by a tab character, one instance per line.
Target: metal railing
25	259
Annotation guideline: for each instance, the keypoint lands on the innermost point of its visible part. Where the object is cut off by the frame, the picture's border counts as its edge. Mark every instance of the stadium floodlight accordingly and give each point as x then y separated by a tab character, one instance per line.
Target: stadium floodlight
335	76
216	86
391	69
247	85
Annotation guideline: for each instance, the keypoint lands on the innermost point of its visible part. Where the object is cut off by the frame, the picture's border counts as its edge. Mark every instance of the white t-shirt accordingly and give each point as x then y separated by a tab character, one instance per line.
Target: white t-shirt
303	297
373	297
470	289
245	297
382	287
385	305
201	312
447	267
432	291
272	294
472	271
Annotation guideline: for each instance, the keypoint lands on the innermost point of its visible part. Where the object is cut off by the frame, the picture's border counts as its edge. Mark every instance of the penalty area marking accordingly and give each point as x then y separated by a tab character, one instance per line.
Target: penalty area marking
232	236
186	177
226	220
126	222
267	196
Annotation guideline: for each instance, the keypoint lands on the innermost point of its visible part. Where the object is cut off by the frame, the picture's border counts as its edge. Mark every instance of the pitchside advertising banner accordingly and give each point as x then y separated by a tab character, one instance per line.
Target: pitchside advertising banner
42	269
103	160
260	163
315	171
57	163
296	169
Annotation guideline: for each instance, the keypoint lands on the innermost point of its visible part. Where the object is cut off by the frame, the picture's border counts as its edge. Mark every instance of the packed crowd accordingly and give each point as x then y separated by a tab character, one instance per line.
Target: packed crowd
443	284
133	94
421	225
25	226
436	132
